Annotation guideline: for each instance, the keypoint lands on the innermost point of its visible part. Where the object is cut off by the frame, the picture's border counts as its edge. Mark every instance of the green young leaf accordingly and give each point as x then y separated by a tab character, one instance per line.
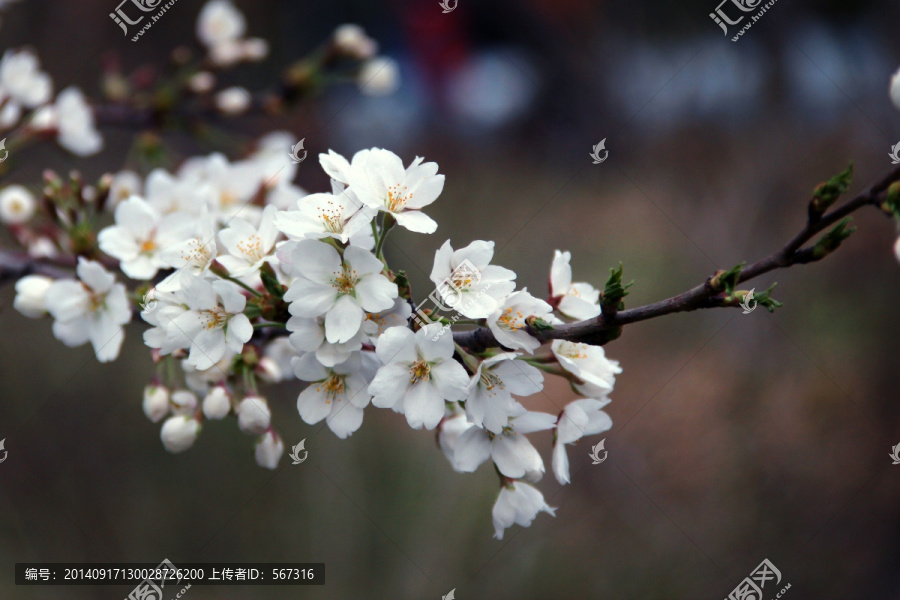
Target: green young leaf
832	240
538	324
252	311
614	291
270	281
766	301
727	280
827	193
892	200
402	282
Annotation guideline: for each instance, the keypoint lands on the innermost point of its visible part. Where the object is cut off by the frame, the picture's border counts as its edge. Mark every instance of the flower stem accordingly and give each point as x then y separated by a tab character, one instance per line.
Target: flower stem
240	283
269	324
386	225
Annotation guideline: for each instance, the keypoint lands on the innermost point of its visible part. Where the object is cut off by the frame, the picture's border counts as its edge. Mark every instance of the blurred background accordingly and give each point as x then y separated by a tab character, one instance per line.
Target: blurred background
736	437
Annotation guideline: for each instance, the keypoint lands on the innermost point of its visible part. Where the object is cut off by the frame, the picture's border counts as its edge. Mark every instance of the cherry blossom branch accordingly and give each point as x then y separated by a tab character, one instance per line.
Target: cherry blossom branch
710	294
15	265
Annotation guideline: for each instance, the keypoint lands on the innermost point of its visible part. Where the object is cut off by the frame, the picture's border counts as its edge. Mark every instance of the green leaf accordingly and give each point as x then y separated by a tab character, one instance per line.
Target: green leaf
727	280
252	311
538	324
892	200
832	240
614	291
270	281
827	193
766	301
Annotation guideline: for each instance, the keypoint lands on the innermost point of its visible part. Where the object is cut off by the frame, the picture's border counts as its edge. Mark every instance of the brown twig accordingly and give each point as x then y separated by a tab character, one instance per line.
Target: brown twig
607	327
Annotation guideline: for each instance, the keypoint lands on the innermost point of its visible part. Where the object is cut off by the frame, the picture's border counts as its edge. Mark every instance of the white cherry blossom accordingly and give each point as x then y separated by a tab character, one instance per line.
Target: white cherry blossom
193	255
248	247
17	205
341	288
93	309
580	418
169	194
308	335
510	450
219	26
453	425
574	300
490	403
518	503
467	282
379	180
377	323
339	215
589	364
22	85
73	120
508	322
418	376
213	323
139	235
337	394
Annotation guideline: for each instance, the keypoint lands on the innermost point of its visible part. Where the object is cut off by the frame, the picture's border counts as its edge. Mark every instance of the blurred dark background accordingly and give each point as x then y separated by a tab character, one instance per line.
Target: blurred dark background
736	437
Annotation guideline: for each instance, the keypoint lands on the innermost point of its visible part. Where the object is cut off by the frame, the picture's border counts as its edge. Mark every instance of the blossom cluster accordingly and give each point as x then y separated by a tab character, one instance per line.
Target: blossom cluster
241	278
234	254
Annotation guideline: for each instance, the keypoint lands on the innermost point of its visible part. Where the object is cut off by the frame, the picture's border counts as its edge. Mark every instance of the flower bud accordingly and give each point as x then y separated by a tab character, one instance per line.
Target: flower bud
254	49
378	77
253	415
30	292
352	40
895	89
217	404
449	431
233	101
156	402
17	205
269	450
179	433
42	247
268	370
202	82
184	403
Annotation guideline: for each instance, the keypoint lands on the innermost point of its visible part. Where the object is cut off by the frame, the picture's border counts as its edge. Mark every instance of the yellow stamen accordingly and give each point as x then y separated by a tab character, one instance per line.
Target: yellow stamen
419	371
